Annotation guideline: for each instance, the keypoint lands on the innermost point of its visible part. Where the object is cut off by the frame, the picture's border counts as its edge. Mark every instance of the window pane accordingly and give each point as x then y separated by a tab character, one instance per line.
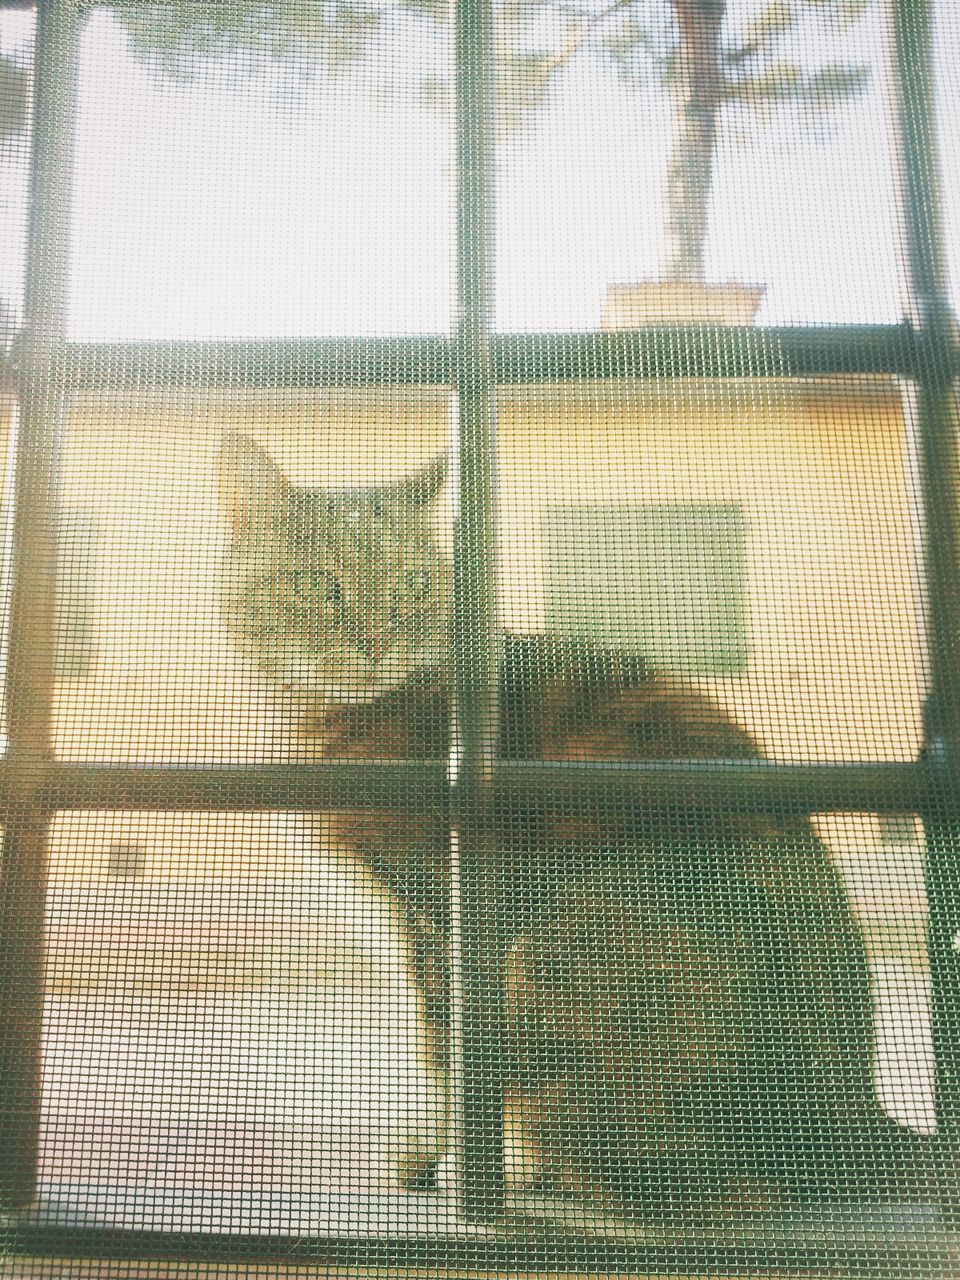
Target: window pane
759	537
151	669
797	198
235	180
236	1016
16	65
790	585
239	1013
219	605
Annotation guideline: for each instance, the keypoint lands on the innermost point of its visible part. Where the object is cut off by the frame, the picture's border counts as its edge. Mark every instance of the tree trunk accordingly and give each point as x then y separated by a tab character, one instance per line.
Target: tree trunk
697	97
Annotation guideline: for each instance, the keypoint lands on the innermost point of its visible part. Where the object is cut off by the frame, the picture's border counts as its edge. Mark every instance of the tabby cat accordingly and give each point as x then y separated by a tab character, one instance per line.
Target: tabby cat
688	1008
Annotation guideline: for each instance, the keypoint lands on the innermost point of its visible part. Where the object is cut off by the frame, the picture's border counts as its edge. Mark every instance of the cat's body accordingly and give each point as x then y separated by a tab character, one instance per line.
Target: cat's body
688	1008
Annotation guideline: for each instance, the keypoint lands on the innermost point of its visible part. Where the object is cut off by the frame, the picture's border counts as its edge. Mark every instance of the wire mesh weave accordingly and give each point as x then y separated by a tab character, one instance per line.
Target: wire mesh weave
479	779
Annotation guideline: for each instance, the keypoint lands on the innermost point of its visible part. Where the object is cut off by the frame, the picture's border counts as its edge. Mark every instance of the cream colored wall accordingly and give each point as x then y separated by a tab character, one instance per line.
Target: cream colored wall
833	630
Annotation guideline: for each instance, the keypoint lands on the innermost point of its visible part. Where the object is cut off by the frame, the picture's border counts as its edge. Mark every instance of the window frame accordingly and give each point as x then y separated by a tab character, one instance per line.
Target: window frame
474	361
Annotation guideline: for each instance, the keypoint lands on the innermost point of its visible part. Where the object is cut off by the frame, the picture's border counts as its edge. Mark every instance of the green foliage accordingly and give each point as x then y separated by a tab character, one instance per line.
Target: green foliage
180	40
745	57
764	55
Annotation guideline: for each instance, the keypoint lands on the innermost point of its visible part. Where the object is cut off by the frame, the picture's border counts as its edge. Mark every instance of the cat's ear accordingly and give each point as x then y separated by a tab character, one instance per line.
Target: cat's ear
417	490
253	489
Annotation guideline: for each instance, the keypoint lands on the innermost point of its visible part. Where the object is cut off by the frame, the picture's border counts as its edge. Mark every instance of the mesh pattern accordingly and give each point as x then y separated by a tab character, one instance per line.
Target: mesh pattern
480	744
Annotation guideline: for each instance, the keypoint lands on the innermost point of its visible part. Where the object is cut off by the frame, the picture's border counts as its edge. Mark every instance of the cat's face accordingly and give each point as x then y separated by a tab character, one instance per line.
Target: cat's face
332	595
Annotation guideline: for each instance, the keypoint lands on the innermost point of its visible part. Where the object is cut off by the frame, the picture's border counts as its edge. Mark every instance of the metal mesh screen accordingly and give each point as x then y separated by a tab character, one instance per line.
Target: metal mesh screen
479	596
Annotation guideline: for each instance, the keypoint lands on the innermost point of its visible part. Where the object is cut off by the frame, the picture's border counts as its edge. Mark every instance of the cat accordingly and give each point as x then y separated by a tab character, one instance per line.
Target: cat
687	1001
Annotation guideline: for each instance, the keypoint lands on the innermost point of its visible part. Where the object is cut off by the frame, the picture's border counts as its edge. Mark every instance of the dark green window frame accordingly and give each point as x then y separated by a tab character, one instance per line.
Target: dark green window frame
47	370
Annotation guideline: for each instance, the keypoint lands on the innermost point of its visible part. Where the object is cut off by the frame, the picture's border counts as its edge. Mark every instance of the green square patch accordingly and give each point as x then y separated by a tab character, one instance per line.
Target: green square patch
662	580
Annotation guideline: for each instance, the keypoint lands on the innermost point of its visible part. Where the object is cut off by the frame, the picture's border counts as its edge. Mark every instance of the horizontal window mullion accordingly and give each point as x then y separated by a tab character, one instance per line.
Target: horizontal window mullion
876	1240
690	351
709	351
325	362
59	786
652	787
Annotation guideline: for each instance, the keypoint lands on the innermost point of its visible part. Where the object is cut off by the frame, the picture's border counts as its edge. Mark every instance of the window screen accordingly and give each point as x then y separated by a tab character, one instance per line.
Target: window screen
478	590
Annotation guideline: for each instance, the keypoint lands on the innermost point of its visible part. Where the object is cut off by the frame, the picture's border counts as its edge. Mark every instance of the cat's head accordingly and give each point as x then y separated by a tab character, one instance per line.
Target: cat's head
333	595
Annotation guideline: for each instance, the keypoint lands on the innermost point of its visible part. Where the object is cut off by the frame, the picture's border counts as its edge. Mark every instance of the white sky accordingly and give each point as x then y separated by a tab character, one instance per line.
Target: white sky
227	208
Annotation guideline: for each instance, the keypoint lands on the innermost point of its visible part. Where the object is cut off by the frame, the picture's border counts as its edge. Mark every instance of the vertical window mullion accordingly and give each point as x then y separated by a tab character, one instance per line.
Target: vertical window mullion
937	426
31	652
477	946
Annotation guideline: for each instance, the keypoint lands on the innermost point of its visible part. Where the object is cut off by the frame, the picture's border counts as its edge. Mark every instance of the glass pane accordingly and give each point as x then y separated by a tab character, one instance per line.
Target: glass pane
230	1013
232	180
164	654
16	65
16	68
235	1005
784	190
760	538
748	559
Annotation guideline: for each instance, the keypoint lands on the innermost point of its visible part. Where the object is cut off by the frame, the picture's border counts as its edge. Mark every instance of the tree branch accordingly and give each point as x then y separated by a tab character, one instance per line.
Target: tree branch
579	37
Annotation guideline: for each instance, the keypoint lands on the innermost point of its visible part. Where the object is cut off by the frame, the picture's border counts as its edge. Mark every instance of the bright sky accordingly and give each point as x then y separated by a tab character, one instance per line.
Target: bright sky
225	207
